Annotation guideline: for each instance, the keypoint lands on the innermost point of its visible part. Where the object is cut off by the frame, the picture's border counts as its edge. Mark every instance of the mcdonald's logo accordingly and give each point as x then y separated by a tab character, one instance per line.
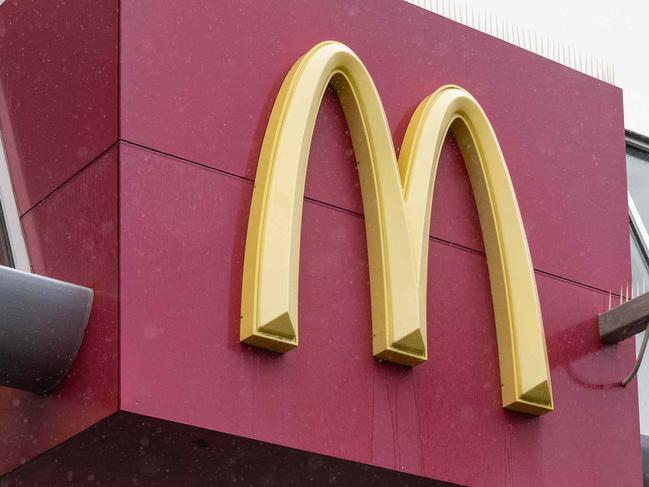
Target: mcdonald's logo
397	197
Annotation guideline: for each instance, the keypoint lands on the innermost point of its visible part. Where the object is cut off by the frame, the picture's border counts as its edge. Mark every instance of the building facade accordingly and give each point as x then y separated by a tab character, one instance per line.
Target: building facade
133	133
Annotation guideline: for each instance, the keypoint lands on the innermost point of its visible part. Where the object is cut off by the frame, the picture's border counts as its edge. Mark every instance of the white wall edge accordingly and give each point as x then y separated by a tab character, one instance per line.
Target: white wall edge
638	225
17	244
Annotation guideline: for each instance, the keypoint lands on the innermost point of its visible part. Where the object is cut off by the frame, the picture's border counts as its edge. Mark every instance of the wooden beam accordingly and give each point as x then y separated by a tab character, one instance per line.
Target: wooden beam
624	321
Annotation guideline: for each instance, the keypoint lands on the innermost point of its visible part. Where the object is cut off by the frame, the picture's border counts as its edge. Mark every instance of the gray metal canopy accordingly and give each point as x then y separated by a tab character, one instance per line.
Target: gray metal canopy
42	324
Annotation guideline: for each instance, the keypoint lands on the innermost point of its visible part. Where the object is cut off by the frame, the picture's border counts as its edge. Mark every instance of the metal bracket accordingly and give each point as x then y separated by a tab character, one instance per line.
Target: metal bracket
42	324
625	321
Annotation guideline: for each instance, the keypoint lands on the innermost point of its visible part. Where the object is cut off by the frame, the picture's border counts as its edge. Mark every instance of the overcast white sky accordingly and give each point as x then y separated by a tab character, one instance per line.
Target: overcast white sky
617	32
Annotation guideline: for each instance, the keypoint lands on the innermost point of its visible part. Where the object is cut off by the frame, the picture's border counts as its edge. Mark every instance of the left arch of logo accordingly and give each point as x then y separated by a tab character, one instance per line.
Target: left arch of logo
397	197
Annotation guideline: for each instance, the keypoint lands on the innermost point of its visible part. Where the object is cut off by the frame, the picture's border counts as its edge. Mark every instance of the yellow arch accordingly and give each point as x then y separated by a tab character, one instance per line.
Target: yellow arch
397	197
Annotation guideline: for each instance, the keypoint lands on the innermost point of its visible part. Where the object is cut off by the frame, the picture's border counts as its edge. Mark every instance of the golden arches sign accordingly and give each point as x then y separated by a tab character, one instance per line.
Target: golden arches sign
397	197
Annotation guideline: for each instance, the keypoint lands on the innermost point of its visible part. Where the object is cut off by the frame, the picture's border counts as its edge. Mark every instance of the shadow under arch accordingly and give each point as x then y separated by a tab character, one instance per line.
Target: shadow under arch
397	198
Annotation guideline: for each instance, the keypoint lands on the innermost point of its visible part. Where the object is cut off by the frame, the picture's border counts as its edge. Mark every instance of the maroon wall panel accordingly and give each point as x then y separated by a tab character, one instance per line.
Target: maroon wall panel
183	231
198	83
58	89
72	236
199	79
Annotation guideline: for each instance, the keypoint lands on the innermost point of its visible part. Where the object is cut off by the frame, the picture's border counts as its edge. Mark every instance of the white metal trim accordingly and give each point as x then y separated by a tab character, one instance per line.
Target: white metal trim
637	141
17	244
638	224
